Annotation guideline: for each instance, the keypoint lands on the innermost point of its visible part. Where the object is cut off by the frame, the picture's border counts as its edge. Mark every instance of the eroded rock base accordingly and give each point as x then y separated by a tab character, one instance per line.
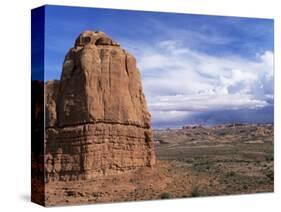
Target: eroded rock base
91	150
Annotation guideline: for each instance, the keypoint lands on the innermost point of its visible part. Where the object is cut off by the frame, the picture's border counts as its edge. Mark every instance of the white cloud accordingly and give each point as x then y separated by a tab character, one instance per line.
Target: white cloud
202	103
178	80
170	116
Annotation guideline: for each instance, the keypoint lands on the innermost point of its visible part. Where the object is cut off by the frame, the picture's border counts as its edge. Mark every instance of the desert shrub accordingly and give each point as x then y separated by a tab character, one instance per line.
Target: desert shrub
245	187
262	181
270	175
165	195
221	133
269	158
195	191
70	193
230	174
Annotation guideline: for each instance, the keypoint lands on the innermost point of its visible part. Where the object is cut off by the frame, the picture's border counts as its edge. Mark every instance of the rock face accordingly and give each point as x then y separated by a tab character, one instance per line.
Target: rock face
97	121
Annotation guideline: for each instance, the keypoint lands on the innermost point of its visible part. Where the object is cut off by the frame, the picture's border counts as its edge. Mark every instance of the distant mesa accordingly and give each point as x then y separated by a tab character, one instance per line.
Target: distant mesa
97	121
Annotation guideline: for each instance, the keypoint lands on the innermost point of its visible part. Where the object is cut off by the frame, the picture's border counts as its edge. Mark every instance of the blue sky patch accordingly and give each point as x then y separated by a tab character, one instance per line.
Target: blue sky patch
192	66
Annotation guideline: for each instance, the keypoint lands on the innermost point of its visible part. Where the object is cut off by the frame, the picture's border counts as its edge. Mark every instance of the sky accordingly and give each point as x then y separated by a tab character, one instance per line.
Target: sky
196	69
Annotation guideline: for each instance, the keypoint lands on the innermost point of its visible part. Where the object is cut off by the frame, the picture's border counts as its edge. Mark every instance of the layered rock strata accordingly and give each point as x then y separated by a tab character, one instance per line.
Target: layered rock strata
97	121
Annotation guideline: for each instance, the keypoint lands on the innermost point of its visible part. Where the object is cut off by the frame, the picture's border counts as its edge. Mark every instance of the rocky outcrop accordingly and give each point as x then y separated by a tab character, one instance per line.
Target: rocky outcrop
97	121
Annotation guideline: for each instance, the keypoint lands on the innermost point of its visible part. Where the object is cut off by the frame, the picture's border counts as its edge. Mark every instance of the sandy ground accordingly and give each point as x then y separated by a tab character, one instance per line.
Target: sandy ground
190	163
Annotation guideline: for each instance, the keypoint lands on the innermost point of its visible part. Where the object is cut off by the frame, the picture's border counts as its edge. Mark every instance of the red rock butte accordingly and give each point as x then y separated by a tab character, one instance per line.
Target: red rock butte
97	121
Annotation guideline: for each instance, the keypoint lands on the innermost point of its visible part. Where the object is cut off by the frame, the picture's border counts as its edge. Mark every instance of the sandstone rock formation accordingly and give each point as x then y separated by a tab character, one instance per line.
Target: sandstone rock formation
97	121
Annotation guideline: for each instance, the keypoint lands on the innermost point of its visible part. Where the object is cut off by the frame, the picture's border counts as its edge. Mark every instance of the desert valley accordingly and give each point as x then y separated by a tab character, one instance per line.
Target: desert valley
192	161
